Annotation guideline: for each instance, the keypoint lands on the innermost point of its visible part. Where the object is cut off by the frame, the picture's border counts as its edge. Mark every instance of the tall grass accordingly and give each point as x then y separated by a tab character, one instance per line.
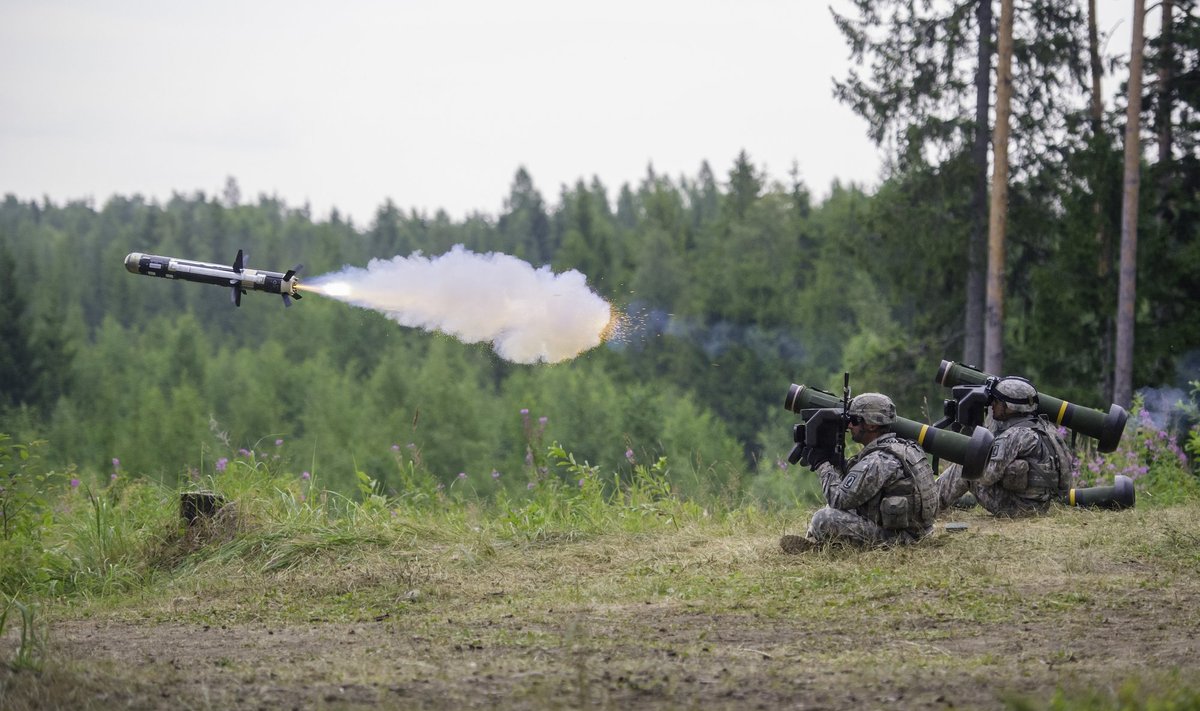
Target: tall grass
68	534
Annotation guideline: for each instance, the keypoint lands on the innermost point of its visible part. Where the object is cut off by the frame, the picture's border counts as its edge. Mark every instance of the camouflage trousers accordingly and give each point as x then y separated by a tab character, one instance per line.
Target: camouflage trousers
995	498
830	524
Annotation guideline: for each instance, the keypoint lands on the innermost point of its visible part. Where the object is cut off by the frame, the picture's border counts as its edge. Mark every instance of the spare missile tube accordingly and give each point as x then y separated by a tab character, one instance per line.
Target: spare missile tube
969	451
1118	496
1107	428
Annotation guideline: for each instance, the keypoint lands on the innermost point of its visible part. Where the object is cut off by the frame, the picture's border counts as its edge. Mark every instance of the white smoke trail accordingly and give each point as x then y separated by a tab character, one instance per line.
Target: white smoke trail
529	315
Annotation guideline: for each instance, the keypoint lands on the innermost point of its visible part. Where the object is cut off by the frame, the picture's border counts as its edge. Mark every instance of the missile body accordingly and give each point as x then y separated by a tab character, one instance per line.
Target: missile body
237	276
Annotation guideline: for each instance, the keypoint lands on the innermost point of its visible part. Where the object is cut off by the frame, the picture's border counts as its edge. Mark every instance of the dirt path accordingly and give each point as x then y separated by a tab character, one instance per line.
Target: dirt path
644	656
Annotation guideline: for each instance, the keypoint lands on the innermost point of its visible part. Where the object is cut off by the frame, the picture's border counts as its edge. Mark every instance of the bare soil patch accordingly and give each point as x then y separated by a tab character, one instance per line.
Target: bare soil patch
635	656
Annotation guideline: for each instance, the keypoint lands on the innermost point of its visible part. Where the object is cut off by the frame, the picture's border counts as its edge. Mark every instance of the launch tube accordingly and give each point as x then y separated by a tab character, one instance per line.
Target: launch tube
1105	427
1118	496
969	451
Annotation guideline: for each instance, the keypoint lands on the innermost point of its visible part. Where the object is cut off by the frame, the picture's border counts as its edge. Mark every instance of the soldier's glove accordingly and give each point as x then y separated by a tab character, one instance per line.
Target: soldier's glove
814	457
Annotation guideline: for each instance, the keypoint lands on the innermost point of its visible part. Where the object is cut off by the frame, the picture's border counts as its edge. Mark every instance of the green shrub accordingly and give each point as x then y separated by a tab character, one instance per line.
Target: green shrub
1150	456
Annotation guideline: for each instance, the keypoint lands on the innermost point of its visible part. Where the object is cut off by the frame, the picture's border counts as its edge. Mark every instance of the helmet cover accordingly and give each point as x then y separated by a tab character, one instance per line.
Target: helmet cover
873	408
1018	393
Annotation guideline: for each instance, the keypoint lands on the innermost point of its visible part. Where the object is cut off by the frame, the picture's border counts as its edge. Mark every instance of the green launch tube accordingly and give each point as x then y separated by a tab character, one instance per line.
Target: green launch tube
1107	428
969	451
1118	496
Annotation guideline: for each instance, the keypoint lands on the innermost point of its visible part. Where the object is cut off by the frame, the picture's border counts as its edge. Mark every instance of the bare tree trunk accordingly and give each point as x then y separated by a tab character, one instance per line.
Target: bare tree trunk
1097	107
1127	290
1103	241
993	357
1165	99
973	325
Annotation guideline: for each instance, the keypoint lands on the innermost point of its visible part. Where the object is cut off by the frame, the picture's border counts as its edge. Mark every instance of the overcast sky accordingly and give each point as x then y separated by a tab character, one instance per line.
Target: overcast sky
431	104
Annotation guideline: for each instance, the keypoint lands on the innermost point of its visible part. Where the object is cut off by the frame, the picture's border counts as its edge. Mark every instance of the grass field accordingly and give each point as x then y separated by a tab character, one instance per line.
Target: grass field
570	603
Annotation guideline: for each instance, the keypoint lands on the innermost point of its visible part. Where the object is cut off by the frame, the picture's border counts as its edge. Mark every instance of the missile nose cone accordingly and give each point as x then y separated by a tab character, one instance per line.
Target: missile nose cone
131	261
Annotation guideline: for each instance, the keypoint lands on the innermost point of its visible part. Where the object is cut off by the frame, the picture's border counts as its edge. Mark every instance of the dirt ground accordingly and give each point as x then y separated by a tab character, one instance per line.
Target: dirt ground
1004	616
642	656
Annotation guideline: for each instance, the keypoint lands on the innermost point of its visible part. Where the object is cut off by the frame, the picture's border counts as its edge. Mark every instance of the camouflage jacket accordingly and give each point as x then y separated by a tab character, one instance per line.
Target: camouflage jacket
1029	448
888	466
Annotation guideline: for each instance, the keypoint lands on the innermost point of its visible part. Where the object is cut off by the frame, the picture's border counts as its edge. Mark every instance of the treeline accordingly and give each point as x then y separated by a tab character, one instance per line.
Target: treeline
741	287
739	282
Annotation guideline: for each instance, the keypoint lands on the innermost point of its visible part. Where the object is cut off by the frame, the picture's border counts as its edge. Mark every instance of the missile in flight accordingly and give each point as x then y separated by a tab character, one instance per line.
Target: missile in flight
237	277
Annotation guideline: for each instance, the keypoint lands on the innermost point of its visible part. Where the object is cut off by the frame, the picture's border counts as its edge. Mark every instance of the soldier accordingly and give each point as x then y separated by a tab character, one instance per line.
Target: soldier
887	494
1029	465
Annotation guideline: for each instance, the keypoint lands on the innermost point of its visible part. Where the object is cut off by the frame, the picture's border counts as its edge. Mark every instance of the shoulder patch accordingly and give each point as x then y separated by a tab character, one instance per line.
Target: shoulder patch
849	481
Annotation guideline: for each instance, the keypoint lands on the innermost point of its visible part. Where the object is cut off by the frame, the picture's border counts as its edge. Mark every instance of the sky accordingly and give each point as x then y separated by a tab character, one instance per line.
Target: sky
433	105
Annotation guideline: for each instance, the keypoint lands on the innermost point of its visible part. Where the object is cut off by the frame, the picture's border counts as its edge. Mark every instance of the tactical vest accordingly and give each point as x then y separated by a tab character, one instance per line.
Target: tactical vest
1050	468
916	488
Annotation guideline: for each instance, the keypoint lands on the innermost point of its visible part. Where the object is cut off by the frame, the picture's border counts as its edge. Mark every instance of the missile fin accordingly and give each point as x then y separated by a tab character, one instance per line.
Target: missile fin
239	262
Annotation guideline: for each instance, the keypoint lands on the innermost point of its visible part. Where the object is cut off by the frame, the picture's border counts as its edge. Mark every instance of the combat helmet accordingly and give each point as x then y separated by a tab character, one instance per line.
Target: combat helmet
1018	393
874	408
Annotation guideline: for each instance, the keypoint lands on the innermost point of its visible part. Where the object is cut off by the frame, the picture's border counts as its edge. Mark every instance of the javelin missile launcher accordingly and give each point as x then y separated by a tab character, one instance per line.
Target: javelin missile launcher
821	408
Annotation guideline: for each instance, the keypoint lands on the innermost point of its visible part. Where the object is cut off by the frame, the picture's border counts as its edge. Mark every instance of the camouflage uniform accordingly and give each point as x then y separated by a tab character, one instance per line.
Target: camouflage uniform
1028	468
859	501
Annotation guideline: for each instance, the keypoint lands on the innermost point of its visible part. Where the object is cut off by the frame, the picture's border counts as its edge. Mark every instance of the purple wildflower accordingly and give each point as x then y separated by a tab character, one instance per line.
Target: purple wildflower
113	477
278	443
305	476
629	455
543	420
74	483
462	475
244	452
222	463
530	485
116	464
581	483
495	474
395	448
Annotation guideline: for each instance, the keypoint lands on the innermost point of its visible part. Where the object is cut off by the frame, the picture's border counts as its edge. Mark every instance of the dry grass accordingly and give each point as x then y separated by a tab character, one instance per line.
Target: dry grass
706	614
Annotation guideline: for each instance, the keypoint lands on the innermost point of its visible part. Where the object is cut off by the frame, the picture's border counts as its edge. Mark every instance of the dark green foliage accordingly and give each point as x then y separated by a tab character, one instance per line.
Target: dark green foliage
918	93
732	288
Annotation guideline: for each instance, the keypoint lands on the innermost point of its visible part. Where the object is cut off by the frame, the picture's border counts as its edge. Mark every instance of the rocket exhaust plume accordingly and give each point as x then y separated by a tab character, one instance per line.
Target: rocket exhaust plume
528	315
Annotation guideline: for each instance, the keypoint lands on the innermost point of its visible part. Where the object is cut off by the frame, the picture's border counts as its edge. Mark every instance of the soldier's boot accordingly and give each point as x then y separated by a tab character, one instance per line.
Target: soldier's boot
966	501
796	544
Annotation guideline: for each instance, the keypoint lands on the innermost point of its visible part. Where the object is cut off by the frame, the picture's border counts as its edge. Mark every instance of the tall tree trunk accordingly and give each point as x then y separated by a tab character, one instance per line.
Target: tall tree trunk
998	215
1165	99
1097	103
1103	241
1127	291
973	324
